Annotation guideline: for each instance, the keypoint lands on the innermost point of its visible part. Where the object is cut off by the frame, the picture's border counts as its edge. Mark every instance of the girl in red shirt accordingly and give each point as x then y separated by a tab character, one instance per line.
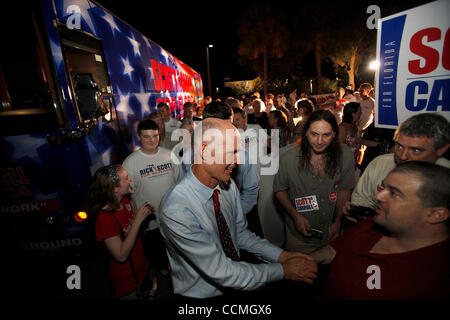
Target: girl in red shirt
108	201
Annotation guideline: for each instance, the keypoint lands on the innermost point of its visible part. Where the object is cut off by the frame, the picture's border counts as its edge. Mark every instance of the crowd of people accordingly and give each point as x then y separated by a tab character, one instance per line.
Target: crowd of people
372	206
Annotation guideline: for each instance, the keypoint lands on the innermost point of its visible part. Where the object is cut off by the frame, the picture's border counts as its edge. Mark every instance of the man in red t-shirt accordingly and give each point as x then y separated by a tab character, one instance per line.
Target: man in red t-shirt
404	251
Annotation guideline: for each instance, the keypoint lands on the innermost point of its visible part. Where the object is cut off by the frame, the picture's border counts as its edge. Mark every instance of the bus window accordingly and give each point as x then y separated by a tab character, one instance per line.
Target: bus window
89	78
28	103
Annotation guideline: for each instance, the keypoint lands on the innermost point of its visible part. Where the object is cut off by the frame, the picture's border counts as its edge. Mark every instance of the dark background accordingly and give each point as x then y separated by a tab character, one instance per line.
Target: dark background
186	28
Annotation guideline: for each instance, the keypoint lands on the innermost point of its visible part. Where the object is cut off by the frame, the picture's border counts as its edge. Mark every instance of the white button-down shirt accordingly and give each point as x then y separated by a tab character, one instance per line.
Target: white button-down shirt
200	268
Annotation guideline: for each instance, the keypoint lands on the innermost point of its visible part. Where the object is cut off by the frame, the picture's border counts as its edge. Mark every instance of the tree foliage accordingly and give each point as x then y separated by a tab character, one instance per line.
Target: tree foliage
289	31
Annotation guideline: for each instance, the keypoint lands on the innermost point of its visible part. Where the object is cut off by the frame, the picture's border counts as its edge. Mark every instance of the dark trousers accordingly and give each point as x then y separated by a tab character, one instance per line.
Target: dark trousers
155	249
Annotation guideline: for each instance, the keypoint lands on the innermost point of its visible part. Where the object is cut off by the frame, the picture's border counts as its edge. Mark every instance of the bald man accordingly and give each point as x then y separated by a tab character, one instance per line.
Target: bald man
202	222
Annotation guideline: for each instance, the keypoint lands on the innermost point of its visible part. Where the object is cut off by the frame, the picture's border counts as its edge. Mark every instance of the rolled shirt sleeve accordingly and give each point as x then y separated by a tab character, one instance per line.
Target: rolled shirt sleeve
281	179
371	179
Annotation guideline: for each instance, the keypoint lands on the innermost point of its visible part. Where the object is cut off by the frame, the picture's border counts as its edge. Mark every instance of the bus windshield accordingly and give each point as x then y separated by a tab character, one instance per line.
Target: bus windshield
26	101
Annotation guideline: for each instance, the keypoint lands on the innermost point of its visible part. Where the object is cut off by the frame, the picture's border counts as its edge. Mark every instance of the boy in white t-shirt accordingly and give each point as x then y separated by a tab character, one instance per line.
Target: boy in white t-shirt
152	172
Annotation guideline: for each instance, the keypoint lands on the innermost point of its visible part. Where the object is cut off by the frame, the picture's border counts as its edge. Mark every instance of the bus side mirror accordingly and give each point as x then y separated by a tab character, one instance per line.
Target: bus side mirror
86	92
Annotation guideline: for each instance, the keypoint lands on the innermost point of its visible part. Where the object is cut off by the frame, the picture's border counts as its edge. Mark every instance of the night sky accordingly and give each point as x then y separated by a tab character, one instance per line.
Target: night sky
186	28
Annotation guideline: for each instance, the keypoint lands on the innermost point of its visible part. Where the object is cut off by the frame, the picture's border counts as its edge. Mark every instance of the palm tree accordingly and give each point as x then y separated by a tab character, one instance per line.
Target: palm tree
263	32
354	42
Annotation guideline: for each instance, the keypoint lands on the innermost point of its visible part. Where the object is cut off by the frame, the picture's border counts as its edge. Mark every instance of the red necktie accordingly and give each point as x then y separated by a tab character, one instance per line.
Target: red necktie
224	232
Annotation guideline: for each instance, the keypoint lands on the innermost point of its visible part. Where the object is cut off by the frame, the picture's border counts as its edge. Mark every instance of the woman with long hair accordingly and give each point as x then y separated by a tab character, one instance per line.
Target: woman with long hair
278	120
314	180
304	108
349	133
348	129
117	224
331	155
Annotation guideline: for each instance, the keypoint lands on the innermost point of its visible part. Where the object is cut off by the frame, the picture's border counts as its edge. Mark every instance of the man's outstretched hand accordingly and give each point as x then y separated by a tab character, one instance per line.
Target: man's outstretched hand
298	266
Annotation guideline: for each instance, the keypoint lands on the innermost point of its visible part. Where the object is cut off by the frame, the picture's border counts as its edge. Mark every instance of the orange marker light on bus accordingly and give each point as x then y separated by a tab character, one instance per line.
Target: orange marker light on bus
81	216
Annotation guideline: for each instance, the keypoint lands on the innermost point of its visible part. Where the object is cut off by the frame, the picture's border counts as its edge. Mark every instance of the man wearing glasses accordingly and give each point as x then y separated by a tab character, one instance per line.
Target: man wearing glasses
423	137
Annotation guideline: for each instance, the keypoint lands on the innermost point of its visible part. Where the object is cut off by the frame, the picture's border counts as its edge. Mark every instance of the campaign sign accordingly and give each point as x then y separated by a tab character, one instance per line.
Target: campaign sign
413	48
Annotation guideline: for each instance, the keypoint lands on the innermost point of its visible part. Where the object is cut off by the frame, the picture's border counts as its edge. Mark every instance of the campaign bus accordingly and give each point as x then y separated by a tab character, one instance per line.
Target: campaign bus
75	80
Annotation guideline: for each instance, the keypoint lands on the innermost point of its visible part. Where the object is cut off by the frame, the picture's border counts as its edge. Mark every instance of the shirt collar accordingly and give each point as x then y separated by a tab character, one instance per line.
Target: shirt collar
203	192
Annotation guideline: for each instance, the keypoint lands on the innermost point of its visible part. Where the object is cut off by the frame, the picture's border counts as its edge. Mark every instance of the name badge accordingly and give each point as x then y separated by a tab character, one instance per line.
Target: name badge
305	204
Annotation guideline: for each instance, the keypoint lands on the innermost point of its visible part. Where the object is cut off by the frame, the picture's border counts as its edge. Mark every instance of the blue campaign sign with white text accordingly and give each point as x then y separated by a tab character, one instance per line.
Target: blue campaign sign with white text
413	49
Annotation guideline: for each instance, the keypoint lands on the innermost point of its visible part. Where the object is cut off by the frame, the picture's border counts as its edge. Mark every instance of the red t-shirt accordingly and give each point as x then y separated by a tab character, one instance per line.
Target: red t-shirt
356	273
339	105
121	273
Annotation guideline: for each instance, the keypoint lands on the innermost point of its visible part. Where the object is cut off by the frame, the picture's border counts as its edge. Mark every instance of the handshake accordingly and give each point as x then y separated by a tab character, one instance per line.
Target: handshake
298	266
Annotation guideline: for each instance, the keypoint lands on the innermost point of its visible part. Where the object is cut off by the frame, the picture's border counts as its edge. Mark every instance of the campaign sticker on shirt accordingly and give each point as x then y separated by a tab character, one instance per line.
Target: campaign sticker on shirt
333	196
128	206
305	204
335	185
